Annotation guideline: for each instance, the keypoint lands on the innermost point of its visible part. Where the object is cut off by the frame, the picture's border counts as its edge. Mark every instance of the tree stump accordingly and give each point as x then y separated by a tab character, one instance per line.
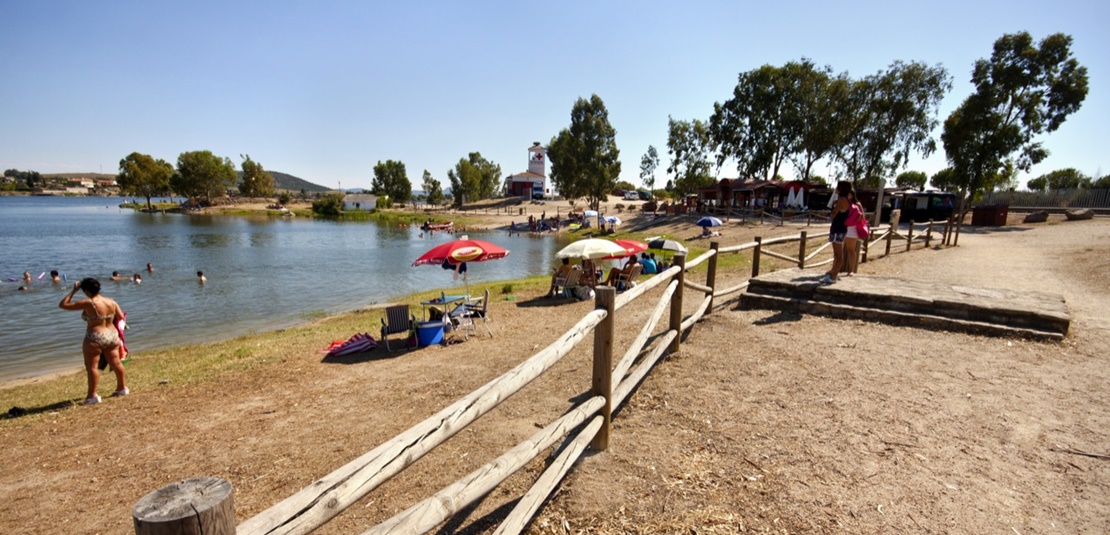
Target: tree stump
191	507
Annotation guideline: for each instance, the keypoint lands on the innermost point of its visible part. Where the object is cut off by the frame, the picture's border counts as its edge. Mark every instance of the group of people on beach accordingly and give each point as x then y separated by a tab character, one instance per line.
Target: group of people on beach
589	274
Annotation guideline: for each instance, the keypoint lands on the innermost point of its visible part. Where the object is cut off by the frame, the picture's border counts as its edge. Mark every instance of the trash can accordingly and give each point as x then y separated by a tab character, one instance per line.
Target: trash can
993	215
429	332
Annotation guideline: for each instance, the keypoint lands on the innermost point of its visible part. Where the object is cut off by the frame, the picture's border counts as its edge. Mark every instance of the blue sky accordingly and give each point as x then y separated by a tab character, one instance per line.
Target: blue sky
324	90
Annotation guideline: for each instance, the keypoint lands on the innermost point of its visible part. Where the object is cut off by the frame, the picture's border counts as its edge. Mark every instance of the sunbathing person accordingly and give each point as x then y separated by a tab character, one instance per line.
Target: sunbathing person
560	274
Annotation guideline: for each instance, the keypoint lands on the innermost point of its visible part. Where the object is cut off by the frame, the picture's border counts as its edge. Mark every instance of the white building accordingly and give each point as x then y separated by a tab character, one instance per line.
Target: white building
533	182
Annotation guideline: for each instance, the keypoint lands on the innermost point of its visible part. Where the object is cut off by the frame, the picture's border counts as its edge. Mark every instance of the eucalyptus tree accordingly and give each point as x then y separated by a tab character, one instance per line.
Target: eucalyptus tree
893	114
755	126
822	115
200	173
474	178
142	175
689	145
585	160
1022	91
256	182
433	190
390	178
648	164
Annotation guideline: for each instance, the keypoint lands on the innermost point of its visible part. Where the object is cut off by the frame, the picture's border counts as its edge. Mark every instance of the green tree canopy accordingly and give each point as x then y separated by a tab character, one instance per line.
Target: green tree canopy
912	179
894	113
759	125
1069	178
200	173
391	179
140	174
257	182
473	178
433	190
945	180
585	161
689	145
648	164
1022	91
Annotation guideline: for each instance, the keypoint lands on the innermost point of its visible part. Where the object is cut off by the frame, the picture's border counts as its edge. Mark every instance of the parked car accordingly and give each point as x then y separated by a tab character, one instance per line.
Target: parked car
631	196
645	195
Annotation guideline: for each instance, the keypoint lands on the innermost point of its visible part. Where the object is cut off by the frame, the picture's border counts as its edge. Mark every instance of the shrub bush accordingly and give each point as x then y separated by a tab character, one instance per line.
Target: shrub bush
330	205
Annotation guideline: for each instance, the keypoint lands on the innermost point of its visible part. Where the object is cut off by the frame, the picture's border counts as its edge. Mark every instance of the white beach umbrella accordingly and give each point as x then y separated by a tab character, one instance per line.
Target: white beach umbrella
592	249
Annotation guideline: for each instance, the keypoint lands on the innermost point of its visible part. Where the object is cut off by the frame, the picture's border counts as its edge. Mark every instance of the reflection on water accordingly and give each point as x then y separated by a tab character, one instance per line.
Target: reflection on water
264	273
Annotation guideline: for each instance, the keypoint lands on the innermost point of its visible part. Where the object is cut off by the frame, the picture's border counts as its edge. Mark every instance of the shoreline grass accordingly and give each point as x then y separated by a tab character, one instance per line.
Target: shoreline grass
199	363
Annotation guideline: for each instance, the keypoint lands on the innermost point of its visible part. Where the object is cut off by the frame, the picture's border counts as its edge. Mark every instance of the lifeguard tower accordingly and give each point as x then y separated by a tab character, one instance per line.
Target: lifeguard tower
531	184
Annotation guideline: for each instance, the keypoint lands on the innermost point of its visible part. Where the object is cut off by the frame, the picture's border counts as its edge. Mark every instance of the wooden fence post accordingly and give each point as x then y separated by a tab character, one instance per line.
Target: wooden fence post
191	507
676	301
865	250
802	251
909	237
755	256
711	277
605	298
929	234
890	238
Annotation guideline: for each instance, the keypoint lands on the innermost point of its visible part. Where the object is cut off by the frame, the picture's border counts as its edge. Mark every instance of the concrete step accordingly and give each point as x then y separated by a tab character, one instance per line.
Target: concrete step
890	317
1036	314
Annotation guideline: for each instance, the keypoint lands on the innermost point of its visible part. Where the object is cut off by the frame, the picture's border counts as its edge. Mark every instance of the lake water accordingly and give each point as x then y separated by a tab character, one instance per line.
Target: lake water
263	273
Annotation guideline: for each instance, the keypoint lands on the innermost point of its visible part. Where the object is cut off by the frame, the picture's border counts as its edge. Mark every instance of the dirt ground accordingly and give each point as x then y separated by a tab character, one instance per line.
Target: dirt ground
764	422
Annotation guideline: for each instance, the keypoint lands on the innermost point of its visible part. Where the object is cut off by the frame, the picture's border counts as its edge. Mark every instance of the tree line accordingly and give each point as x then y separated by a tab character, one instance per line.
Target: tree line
199	174
867	128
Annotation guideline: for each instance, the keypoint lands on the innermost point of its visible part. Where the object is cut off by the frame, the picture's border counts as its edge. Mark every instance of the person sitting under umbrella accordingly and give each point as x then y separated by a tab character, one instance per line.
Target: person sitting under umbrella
616	273
560	274
649	264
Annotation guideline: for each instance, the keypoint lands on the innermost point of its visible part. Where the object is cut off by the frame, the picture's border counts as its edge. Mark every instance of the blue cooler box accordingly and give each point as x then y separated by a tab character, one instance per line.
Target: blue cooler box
429	332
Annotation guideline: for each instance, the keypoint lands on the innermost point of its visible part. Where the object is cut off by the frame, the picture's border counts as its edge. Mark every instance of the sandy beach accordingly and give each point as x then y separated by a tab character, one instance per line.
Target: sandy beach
763	422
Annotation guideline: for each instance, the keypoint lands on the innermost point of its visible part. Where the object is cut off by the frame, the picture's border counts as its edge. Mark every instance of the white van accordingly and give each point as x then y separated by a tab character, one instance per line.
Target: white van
631	195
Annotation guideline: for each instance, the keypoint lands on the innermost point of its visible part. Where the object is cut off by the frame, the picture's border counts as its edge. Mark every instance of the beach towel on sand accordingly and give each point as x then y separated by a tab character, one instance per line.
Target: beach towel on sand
355	344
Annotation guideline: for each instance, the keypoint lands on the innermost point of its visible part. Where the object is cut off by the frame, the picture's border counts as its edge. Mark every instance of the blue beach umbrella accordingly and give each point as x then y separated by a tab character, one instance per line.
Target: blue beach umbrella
709	222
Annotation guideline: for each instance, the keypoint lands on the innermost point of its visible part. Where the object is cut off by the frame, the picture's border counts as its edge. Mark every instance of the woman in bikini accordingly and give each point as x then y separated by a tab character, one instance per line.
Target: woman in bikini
838	230
101	336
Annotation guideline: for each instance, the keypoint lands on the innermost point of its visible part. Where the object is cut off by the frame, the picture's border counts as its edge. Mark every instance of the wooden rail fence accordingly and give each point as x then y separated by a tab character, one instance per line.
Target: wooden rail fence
173	510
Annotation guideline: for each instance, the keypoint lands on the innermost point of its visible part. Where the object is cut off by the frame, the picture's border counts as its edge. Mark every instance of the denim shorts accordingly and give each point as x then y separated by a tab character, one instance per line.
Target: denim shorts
837	237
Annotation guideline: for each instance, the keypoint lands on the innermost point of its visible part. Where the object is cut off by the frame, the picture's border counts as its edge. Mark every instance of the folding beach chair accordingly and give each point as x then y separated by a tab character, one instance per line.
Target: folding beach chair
397	320
478	309
625	282
564	284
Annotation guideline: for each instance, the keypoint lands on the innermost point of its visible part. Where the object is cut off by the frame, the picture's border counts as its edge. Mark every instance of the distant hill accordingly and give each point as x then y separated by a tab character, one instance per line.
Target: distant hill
292	183
94	176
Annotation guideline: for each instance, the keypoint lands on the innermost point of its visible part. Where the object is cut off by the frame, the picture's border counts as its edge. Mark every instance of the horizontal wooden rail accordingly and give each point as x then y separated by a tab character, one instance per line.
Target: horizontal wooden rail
701	258
737	248
773	254
696	286
319	502
530	503
440	506
731	289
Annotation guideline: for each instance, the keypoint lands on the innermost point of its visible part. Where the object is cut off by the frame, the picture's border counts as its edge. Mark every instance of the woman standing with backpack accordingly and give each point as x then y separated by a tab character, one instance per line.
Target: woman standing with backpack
852	236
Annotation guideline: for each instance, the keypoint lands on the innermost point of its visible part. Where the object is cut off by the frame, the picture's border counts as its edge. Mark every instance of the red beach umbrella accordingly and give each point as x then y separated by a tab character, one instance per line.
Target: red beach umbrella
459	251
631	248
